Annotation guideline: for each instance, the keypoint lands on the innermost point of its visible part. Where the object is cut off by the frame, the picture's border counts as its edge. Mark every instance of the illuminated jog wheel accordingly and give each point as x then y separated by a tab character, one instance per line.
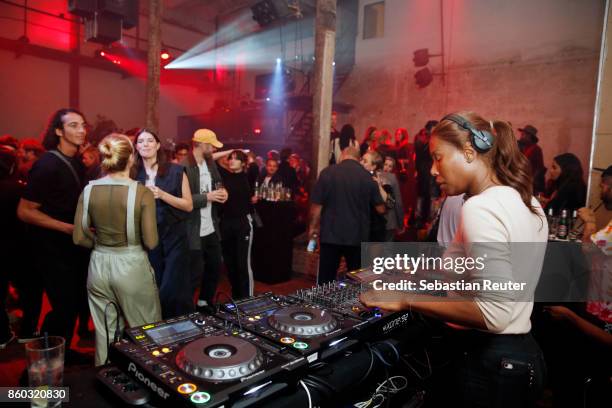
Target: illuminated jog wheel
303	321
219	358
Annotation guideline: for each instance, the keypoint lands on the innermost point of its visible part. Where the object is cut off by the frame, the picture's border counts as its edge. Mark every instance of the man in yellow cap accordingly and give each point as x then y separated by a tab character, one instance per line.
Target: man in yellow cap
203	222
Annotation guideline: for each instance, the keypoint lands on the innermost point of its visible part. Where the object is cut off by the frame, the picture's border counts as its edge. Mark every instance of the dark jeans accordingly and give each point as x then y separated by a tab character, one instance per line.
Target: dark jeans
329	260
63	266
170	260
236	243
490	370
211	256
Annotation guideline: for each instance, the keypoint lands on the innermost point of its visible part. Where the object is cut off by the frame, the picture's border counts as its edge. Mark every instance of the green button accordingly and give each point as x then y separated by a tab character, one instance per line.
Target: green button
300	345
200	397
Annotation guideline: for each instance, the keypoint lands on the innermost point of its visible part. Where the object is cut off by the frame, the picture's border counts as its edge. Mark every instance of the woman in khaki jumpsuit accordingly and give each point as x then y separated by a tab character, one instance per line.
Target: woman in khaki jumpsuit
116	216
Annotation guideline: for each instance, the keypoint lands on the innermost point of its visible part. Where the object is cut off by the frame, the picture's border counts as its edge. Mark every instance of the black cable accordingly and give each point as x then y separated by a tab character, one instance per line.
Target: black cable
317	386
235	307
387	388
370	367
388	343
381	358
323	382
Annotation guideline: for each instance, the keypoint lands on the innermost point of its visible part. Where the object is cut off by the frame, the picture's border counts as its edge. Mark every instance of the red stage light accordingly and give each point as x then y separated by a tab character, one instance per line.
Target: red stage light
165	55
257	131
102	53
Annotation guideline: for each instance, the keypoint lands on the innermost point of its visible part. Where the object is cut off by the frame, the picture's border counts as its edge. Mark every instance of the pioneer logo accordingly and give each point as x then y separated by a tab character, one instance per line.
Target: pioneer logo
147	381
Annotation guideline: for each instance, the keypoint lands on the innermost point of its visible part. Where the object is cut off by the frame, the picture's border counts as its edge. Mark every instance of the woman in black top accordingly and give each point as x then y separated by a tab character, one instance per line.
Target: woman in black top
235	226
568	186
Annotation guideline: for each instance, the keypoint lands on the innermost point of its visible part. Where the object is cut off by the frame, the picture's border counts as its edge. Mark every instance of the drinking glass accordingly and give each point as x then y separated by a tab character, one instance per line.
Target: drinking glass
45	360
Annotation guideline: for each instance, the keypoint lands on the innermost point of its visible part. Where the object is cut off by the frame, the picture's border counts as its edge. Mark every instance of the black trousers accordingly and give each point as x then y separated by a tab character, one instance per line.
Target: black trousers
170	260
488	370
236	243
21	268
63	266
329	260
210	255
29	284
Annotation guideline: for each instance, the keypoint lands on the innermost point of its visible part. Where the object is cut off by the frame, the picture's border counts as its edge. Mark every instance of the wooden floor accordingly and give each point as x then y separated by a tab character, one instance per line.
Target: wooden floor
12	358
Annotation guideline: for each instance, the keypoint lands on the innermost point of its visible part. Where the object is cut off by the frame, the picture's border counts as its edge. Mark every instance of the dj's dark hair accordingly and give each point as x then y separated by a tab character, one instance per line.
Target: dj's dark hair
504	159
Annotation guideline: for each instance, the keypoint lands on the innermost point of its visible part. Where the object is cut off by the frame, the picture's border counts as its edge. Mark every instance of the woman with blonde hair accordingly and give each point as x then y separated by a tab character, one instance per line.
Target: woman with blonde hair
116	217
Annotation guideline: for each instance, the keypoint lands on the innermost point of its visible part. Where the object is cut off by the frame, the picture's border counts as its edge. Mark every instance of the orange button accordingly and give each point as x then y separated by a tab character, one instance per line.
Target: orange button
186	388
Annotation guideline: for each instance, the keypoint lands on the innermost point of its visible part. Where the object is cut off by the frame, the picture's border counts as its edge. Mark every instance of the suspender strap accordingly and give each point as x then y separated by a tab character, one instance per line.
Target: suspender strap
131	205
85	219
72	170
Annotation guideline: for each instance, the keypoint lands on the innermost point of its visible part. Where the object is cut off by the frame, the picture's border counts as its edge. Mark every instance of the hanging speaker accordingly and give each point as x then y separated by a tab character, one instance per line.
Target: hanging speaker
102	29
83	8
126	10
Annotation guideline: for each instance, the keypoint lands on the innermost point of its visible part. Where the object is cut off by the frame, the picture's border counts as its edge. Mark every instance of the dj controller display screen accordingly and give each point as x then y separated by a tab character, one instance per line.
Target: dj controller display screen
173	332
256	306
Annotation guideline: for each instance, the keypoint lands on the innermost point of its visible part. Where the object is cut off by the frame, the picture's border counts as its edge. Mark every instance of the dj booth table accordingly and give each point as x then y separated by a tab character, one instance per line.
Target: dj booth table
272	248
342	374
319	345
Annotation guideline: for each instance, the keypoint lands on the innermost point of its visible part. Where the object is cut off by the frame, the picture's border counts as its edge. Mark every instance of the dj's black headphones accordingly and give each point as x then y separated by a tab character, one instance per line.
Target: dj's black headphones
480	139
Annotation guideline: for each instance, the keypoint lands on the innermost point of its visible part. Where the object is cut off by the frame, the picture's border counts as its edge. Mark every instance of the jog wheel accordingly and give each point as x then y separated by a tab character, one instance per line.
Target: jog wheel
219	358
303	321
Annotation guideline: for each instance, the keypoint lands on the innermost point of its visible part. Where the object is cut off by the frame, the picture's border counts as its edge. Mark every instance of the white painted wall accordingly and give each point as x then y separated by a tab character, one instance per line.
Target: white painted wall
482	31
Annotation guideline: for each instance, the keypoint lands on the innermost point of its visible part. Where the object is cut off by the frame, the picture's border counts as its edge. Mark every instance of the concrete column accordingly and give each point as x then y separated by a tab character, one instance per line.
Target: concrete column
153	65
325	38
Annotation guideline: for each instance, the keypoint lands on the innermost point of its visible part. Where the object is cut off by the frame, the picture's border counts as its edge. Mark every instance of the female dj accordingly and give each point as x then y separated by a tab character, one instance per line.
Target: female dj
495	362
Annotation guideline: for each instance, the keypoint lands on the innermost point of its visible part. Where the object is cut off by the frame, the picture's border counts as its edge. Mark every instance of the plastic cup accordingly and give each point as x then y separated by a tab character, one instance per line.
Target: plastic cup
45	366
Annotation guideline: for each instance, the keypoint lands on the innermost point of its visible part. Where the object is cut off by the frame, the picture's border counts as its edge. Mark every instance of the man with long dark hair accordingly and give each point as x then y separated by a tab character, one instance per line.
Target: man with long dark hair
48	204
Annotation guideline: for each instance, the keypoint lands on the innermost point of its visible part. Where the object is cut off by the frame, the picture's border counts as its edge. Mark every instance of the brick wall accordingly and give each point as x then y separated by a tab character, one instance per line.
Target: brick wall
555	93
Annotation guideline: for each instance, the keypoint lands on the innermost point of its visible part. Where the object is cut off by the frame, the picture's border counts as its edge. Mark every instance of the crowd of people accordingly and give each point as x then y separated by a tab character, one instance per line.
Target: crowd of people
132	233
488	180
125	229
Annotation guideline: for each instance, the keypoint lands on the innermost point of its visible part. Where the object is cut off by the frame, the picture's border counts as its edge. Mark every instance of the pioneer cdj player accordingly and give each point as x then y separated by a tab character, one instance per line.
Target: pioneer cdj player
305	328
198	360
252	348
342	297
